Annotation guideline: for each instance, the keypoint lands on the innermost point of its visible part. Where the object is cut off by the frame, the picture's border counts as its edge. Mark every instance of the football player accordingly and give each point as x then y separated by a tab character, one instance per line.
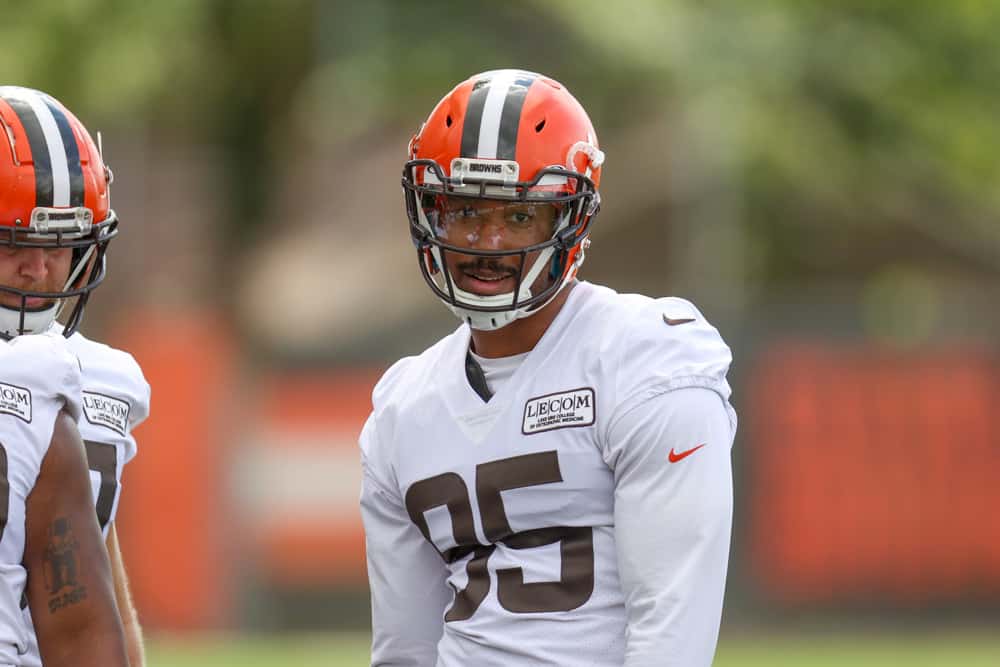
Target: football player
56	222
551	483
52	557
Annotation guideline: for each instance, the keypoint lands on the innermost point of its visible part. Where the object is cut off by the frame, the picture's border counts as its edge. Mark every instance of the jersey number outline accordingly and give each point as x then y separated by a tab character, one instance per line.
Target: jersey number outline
102	458
576	543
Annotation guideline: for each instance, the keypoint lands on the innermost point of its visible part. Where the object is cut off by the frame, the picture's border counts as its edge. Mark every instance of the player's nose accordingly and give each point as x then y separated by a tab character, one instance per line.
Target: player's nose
492	232
33	263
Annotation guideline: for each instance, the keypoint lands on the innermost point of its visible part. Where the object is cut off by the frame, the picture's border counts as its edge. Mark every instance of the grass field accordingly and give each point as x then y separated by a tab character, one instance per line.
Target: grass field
974	650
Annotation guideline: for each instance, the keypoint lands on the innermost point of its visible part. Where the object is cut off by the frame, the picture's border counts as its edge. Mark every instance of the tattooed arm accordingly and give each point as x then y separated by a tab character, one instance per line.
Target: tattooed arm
70	589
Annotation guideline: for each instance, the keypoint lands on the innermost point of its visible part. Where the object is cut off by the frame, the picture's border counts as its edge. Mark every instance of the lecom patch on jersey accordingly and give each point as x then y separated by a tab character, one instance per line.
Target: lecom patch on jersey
565	409
15	401
107	411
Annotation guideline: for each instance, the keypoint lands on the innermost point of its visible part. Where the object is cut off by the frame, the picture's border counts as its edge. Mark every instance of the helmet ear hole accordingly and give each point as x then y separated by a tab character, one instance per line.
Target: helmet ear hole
448	121
539	126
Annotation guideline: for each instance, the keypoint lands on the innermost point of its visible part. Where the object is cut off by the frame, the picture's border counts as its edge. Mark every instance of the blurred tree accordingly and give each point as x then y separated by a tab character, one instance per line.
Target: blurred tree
866	129
857	132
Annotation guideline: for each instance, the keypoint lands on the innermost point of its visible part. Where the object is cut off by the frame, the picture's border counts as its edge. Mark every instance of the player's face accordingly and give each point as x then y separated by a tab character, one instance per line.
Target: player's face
33	269
488	224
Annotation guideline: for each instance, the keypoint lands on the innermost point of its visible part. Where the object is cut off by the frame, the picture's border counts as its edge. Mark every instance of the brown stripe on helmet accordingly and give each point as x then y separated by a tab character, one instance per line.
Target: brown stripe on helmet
72	152
510	117
39	150
474	118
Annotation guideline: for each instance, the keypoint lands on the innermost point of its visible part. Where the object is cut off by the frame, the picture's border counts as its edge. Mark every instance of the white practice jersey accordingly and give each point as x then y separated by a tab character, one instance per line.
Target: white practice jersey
580	516
39	376
114	400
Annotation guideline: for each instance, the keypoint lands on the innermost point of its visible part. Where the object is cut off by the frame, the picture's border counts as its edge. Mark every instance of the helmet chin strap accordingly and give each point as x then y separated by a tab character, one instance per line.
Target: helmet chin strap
488	321
491	321
35	322
494	321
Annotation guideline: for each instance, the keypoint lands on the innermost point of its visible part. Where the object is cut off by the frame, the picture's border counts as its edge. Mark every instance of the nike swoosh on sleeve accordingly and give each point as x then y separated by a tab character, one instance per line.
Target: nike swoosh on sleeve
674	458
674	322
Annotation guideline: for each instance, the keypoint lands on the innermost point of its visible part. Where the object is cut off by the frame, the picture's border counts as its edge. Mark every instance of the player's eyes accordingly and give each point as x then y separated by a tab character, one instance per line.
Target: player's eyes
463	214
522	216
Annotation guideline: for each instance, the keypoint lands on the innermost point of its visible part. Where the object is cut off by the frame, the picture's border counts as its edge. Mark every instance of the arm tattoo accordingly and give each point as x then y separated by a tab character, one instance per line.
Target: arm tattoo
62	567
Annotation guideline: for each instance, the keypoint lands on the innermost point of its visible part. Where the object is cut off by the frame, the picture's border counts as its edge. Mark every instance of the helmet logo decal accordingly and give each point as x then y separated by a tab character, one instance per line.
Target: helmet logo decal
494	114
58	173
485	168
490	171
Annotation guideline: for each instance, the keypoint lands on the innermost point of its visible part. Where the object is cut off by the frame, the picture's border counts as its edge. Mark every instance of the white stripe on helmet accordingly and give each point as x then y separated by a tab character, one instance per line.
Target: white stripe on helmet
489	126
54	142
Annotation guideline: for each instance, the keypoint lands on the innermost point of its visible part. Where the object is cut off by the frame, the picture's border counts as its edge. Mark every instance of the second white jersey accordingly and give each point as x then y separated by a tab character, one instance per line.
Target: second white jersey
114	399
517	494
39	377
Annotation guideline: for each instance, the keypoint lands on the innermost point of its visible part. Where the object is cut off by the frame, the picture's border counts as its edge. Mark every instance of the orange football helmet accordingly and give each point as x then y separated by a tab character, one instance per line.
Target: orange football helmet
510	136
53	193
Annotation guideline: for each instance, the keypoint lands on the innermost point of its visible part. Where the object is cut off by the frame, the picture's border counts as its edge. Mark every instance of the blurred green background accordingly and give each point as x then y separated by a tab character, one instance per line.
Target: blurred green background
810	174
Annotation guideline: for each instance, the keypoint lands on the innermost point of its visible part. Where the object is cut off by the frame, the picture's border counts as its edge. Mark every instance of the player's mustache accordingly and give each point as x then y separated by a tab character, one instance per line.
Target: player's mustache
487	265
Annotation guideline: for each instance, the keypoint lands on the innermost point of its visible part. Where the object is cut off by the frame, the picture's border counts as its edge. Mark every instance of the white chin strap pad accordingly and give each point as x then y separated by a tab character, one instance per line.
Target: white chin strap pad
491	321
34	321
